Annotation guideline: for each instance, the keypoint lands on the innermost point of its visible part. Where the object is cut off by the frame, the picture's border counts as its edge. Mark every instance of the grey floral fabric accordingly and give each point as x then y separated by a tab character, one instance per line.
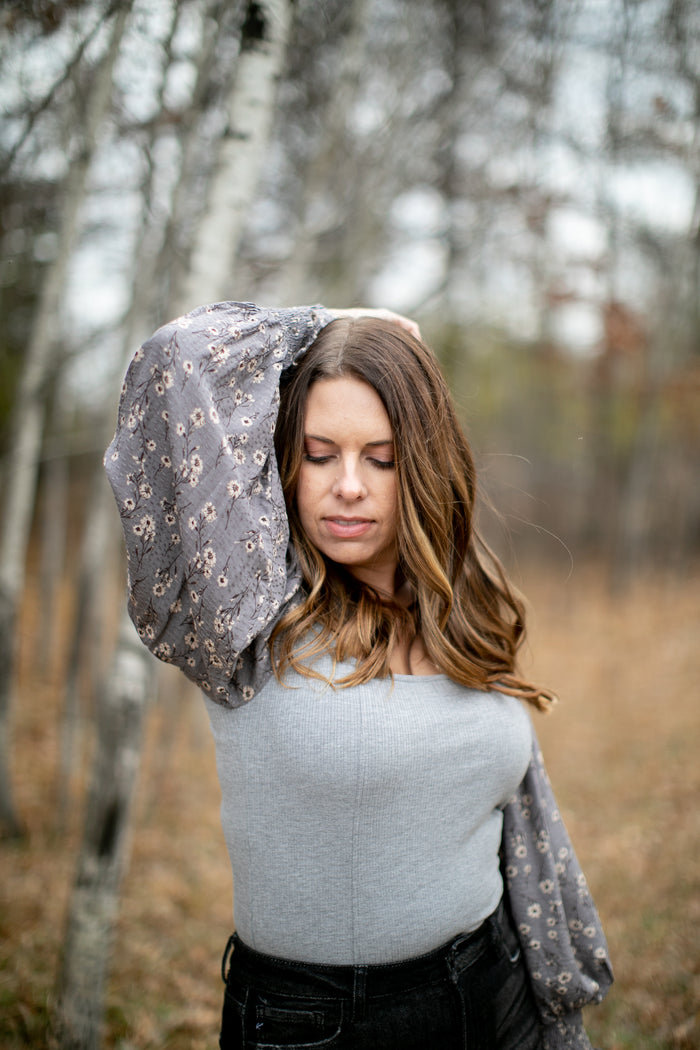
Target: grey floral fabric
195	478
210	572
559	929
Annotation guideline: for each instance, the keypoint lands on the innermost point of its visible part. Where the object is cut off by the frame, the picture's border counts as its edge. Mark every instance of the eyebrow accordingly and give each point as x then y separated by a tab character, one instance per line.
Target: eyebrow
329	441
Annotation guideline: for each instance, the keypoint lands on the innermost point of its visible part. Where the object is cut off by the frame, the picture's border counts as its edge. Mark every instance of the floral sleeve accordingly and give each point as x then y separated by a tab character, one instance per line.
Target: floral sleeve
560	932
193	470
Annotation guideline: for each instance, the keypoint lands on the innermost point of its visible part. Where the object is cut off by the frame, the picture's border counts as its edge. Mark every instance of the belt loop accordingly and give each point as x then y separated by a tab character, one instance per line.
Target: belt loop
227	954
359	989
453	952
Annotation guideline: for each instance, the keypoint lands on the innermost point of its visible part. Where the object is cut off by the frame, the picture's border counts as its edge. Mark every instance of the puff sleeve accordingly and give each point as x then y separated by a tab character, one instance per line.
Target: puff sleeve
561	936
194	474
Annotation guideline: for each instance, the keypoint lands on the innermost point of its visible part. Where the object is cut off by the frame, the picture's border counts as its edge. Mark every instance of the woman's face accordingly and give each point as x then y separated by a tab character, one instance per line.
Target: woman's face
346	492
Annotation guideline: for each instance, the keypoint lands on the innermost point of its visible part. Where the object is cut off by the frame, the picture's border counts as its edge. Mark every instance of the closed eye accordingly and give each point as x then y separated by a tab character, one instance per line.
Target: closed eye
308	458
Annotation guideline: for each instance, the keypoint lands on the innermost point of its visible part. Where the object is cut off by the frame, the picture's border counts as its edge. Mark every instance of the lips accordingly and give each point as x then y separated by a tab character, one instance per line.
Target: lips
347	528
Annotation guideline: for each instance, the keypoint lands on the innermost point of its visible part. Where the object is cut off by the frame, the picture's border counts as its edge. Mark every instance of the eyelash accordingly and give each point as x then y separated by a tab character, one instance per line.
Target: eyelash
383	464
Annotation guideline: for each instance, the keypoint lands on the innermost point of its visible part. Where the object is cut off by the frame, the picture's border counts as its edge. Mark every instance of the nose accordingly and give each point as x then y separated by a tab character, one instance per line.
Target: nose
349	485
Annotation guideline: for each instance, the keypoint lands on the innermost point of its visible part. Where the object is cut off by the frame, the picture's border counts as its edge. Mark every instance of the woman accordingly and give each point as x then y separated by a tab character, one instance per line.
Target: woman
402	877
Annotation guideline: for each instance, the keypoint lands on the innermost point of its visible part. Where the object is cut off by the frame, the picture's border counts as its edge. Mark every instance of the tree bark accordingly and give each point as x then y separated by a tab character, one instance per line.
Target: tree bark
90	929
241	152
28	415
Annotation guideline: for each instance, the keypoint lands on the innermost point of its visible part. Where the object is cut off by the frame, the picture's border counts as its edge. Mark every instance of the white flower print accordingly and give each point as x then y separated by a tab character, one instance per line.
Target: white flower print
534	911
197	418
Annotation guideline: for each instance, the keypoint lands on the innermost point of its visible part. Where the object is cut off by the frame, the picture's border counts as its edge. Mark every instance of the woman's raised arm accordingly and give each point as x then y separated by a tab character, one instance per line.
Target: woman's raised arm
193	471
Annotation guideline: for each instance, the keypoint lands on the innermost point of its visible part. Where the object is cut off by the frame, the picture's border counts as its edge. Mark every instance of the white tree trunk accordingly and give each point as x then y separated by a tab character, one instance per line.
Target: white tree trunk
28	416
87	947
250	110
53	553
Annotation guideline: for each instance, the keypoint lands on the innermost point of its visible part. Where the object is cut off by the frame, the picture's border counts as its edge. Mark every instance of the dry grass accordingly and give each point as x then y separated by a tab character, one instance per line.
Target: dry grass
622	751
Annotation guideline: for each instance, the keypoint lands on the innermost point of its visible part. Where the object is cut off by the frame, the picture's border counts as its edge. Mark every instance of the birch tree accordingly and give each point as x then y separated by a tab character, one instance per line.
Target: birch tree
121	703
241	152
78	1019
29	410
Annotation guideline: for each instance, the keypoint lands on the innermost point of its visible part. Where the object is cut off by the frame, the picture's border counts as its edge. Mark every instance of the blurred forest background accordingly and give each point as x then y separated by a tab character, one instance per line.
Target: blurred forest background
523	177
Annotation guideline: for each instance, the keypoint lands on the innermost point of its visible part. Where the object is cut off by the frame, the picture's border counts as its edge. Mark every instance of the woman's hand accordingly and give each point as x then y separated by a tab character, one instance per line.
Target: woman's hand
383	315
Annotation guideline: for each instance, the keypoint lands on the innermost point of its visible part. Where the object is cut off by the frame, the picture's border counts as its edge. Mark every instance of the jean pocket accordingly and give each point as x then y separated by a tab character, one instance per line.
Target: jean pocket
281	1022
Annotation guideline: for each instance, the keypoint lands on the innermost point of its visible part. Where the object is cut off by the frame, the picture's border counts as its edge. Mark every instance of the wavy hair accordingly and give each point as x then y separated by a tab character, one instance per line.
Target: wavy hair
470	619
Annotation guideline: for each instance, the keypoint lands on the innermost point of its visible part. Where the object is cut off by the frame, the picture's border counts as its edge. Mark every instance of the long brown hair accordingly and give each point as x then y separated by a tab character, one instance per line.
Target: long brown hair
471	621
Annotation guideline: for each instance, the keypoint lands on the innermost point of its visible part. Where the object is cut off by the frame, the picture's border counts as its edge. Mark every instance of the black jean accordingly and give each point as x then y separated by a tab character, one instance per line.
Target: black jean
471	994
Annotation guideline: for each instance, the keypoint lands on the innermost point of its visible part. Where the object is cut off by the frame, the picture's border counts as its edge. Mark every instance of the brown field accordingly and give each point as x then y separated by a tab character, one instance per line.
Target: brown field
622	751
